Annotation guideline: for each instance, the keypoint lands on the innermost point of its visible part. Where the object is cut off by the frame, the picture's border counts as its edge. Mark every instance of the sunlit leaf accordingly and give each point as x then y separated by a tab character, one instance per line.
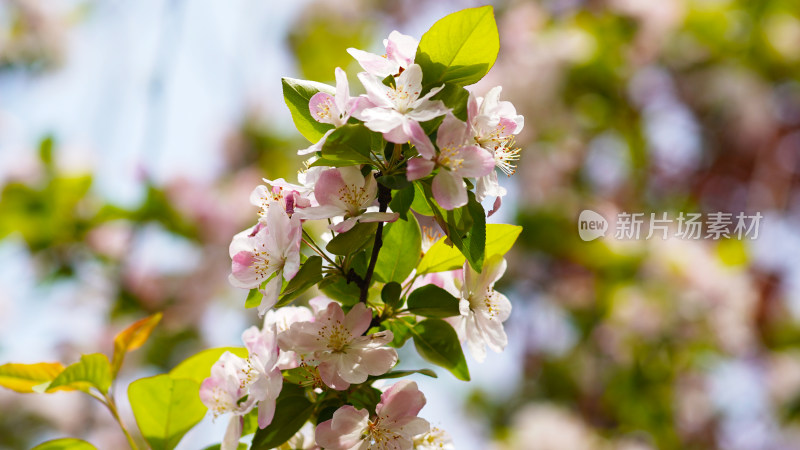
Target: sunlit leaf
442	257
65	444
459	48
165	409
92	370
132	338
24	377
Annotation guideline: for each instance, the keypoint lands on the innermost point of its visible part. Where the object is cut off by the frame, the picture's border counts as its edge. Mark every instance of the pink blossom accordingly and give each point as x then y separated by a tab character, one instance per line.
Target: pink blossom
400	52
345	192
267	252
335	341
332	109
435	439
457	159
237	385
394	427
483	310
493	124
287	195
397	111
281	319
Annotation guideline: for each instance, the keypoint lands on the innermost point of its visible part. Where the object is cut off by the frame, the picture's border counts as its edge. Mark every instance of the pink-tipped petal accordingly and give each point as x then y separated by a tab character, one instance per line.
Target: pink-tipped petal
419	168
420	140
476	162
374	64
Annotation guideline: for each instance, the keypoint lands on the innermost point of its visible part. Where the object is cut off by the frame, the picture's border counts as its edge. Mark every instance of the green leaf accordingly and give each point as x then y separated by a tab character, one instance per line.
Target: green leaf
442	257
459	48
348	145
396	182
402	243
399	326
198	367
364	396
500	237
419	204
454	97
92	370
297	94
467	226
24	377
437	342
402	200
132	338
165	408
432	301
353	240
390	294
310	273
253	298
340	290
405	373
292	410
65	444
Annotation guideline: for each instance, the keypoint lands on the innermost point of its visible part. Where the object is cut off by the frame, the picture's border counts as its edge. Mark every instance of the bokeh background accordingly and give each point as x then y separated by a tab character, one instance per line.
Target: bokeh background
131	134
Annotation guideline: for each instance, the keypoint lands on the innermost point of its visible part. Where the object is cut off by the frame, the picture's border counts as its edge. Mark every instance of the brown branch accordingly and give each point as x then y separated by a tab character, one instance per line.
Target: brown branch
384	197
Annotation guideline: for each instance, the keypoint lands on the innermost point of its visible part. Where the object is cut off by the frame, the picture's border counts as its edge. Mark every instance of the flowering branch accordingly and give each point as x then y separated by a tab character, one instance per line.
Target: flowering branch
384	197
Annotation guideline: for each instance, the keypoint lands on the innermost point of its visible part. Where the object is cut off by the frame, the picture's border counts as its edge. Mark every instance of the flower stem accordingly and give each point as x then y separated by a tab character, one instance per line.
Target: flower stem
384	197
112	407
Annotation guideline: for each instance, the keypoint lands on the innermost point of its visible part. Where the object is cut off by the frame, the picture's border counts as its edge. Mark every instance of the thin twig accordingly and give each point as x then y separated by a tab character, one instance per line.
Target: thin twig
384	197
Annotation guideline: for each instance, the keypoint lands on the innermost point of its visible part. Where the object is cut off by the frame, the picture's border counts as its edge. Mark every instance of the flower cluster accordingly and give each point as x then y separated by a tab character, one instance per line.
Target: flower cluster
415	147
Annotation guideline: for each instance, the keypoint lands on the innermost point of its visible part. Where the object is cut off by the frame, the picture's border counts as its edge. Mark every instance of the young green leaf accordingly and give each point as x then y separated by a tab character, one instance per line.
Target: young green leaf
402	243
432	301
454	97
348	145
92	370
390	294
420	204
310	273
402	200
437	342
467	226
24	377
340	290
353	240
132	338
442	257
399	326
397	181
297	94
198	367
65	444
253	299
292	410
459	48
165	409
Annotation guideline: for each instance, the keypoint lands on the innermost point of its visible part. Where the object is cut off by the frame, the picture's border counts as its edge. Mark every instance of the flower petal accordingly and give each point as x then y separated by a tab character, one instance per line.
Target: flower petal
449	190
419	168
